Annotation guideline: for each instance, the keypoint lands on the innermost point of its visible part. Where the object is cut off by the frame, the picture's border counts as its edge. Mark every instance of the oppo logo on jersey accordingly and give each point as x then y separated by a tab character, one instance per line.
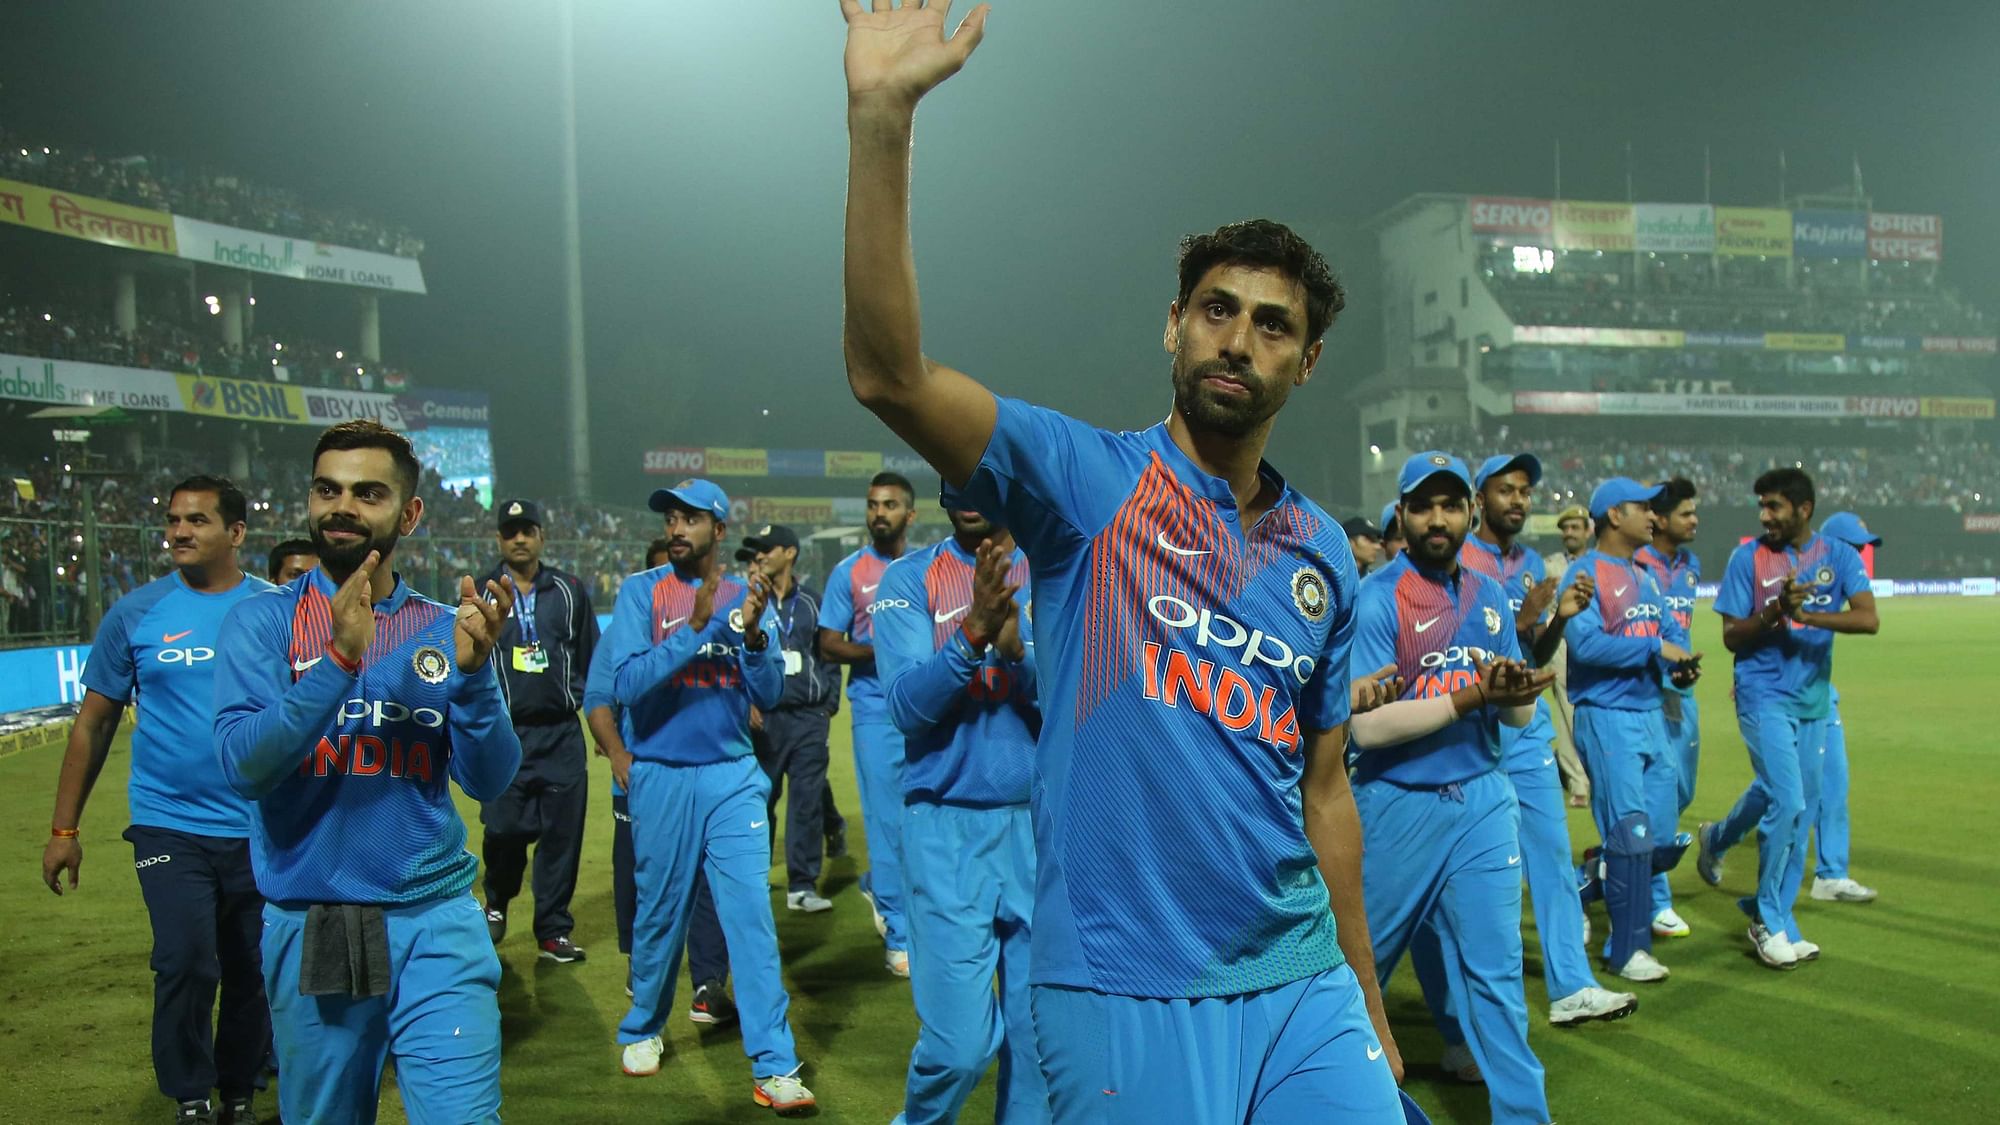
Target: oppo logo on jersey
382	712
1447	670
874	607
1678	604
184	655
1212	628
1642	620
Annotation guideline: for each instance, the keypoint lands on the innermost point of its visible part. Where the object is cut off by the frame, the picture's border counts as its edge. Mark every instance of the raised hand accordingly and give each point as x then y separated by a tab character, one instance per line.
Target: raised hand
479	621
1577	598
354	611
899	54
753	610
1535	602
704	595
1376	689
1510	683
992	595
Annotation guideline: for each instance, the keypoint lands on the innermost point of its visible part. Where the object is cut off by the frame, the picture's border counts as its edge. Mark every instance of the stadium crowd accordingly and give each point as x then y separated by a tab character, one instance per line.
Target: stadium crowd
1963	477
218	197
70	331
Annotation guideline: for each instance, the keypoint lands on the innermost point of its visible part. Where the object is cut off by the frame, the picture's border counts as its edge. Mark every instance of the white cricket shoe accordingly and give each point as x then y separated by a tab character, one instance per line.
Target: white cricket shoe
1460	1065
809	901
1773	948
1593	1003
897	961
881	923
1669	924
1643	967
642	1059
783	1093
1805	950
1841	890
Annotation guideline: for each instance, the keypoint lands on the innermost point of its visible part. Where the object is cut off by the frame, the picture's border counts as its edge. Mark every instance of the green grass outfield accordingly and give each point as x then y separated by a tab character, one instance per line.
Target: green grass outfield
1898	1021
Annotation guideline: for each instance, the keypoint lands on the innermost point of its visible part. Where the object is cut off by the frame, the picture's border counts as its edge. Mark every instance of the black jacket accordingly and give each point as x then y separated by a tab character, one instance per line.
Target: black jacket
816	686
567	629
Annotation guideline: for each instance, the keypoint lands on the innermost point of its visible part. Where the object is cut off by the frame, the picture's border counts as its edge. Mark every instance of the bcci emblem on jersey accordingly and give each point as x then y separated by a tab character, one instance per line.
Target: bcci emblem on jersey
1823	576
736	620
1309	593
430	664
1492	620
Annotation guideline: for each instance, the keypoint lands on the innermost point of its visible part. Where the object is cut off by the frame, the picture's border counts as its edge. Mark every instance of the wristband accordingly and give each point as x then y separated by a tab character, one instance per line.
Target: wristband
63	833
977	642
341	662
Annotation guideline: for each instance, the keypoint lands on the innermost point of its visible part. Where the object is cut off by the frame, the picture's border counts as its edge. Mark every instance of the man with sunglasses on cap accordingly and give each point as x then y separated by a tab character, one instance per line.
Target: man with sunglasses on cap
1365	540
690	652
791	738
1619	647
545	650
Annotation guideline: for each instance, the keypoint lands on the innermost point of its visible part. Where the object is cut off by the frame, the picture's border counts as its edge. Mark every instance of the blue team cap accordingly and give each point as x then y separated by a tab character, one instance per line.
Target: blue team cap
1428	464
694	496
1388	516
1507	463
1622	490
1848	528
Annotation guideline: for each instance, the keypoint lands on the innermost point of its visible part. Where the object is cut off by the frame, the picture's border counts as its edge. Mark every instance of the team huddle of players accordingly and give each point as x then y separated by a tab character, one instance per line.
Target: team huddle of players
1132	726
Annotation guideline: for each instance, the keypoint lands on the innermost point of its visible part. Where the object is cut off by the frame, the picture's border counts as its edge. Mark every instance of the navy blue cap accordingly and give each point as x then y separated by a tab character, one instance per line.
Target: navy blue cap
1622	490
1388	517
1430	463
770	537
694	495
1848	528
1507	463
509	512
1358	527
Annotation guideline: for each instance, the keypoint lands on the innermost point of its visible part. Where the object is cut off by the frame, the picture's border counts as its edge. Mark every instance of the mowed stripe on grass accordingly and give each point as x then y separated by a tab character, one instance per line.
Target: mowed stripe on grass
1896	1022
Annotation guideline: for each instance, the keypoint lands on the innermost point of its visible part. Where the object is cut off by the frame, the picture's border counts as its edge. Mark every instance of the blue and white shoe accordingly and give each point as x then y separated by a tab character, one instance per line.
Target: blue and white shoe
1707	860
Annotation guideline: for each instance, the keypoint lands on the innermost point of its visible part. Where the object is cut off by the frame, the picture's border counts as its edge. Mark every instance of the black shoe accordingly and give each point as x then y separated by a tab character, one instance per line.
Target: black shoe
197	1112
237	1111
836	842
561	950
711	1005
496	923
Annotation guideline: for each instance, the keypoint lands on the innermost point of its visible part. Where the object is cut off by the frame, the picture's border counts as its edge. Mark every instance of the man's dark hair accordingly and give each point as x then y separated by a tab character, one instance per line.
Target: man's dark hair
894	480
1792	484
1263	244
285	550
657	547
229	501
1678	489
364	433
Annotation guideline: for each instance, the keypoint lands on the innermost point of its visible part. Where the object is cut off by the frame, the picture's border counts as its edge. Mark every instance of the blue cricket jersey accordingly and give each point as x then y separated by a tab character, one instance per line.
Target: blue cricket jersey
969	722
348	772
597	693
1435	628
1183	660
1677	577
685	694
1614	644
157	646
1529	746
1792	666
849	607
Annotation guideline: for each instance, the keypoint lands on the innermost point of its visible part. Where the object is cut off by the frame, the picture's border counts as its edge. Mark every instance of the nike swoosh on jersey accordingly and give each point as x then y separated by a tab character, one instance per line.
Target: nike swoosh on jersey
941	618
869	589
1512	860
1374	1053
1620	591
1184	552
302	665
170	638
670	624
1774	581
1422	625
1548	761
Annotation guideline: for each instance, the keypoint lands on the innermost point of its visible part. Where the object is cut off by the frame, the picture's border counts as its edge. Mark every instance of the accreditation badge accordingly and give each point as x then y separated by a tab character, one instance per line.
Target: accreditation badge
531	658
